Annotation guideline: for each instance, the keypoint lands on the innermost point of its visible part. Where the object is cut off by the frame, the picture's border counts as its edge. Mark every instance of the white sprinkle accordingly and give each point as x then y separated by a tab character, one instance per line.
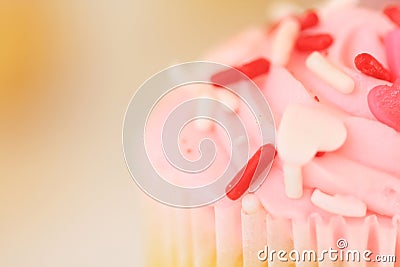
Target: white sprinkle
205	108
228	98
240	143
251	204
334	5
241	140
331	74
293	180
349	206
204	124
283	43
279	9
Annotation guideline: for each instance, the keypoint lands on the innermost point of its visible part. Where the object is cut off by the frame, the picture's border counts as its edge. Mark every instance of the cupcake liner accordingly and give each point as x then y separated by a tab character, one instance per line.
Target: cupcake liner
344	235
304	238
183	238
229	235
254	235
203	240
228	227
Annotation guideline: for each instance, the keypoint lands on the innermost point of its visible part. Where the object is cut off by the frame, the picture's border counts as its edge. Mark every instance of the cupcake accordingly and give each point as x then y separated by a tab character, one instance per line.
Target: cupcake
327	192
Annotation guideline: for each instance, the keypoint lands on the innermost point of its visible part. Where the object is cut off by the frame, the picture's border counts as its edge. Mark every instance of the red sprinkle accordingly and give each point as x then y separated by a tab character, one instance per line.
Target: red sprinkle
308	20
393	13
317	42
252	70
241	182
316	98
370	66
319	154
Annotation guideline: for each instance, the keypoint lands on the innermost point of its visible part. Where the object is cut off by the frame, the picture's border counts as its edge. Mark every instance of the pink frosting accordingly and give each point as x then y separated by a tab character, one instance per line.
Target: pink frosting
367	165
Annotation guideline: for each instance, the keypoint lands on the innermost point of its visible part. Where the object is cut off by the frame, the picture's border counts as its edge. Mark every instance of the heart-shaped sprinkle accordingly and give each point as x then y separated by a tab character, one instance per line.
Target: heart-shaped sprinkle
303	132
370	66
384	103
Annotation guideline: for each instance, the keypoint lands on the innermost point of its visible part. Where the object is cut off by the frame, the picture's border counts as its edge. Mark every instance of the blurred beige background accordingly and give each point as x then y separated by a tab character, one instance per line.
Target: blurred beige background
67	72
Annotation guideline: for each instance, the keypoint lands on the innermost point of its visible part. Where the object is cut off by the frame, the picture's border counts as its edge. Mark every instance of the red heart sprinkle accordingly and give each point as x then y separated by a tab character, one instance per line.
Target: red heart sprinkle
384	103
316	42
370	66
393	13
308	20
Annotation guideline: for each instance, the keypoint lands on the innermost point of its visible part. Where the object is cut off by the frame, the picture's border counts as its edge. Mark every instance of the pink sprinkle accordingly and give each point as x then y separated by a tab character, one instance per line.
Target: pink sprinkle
384	103
392	45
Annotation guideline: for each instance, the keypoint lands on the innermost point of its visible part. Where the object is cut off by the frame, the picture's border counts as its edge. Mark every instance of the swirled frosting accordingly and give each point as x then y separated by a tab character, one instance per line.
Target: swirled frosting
364	169
365	166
